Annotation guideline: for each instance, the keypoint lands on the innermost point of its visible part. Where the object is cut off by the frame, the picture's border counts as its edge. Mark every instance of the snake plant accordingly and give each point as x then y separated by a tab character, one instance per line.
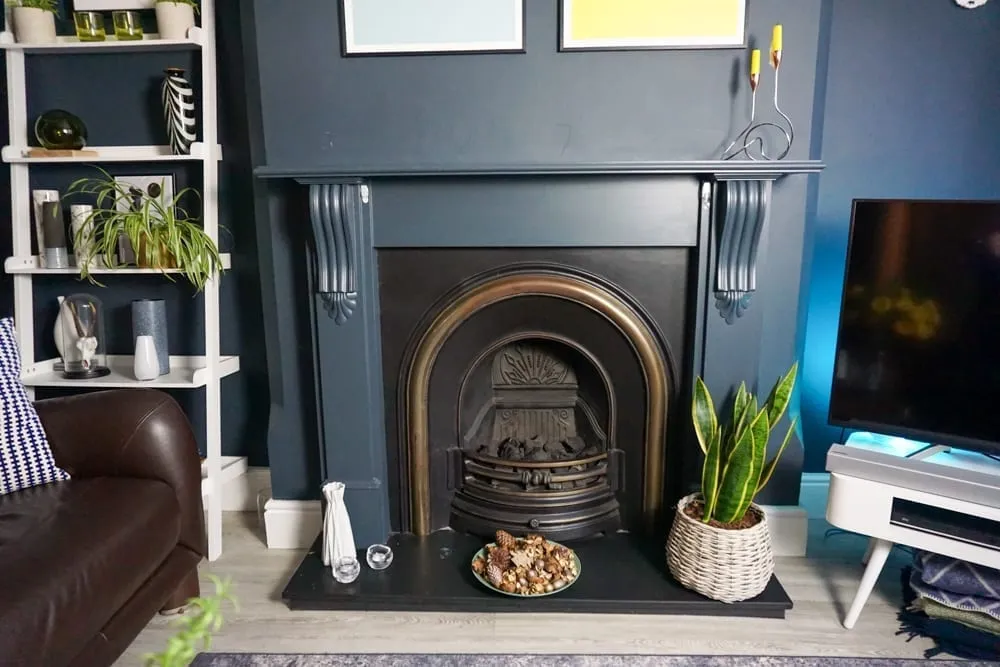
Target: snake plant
735	471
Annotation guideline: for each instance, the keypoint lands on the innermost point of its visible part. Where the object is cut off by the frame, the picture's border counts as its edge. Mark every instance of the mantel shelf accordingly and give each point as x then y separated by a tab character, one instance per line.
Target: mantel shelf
718	169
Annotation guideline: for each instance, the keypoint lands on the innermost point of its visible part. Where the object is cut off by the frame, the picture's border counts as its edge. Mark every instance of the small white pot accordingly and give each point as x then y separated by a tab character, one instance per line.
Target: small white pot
174	19
34	26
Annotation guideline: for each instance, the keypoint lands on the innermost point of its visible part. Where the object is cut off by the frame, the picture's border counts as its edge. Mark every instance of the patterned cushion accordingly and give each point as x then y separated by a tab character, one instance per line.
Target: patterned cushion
25	457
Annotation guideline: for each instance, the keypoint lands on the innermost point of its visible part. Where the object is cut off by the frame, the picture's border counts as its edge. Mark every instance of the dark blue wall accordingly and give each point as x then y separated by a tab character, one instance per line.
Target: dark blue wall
117	97
912	109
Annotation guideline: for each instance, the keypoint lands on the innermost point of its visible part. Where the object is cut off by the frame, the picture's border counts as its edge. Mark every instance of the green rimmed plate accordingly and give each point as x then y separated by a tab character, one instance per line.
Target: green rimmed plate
486	582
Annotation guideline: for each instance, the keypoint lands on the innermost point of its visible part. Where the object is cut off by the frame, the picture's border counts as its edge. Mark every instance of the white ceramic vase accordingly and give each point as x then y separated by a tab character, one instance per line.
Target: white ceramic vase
174	19
339	552
146	364
62	326
80	219
34	26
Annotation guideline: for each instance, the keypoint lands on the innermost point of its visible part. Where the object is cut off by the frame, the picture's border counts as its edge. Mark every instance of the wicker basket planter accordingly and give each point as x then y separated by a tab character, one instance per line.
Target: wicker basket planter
725	565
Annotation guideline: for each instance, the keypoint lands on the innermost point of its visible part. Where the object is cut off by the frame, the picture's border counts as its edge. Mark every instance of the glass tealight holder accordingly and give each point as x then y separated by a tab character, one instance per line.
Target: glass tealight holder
379	556
346	570
89	26
127	25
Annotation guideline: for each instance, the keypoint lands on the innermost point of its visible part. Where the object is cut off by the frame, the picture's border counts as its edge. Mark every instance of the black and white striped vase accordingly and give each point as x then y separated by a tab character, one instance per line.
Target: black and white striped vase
178	110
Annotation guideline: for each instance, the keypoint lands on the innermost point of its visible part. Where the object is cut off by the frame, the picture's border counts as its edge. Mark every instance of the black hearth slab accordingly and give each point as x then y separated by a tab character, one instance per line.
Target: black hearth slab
620	575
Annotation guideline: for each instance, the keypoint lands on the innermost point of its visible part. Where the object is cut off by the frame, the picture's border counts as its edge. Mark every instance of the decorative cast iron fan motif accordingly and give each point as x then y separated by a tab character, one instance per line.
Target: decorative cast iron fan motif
525	364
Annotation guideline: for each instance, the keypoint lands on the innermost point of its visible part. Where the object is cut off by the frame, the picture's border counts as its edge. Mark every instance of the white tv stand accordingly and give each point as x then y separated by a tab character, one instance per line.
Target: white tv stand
930	497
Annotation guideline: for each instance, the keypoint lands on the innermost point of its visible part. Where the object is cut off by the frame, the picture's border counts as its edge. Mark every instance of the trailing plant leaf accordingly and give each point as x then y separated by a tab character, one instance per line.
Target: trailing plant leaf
735	467
202	620
162	234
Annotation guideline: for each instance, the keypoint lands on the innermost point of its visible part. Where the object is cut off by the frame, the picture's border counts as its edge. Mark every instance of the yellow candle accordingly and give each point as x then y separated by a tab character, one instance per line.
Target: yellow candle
776	38
755	62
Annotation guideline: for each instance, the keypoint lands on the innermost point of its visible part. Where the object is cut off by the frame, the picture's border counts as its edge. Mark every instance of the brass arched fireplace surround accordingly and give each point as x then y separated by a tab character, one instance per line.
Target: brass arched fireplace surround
533	421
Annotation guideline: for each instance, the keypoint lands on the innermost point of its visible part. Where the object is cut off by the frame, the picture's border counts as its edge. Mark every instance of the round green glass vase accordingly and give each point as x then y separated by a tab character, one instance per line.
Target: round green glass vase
60	130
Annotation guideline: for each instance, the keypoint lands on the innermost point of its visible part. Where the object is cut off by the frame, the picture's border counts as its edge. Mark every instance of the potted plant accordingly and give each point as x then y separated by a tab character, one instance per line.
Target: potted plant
34	20
202	620
175	17
719	544
162	234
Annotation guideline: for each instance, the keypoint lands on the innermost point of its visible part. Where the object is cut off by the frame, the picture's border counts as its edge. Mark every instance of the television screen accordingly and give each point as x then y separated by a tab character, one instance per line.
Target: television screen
918	346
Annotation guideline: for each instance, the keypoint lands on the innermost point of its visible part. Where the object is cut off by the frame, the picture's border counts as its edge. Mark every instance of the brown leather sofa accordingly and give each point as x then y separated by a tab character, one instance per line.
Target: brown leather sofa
85	564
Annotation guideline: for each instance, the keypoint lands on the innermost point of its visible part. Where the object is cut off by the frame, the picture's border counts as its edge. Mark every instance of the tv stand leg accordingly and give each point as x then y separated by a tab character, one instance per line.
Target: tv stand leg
868	551
876	561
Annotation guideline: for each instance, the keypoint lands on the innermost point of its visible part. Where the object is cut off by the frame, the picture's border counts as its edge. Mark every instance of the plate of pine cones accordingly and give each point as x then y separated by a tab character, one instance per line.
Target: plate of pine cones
530	566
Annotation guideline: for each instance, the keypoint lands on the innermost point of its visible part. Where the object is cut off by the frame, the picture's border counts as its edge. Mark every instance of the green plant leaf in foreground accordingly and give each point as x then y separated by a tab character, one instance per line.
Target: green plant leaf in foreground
766	477
735	490
780	395
202	620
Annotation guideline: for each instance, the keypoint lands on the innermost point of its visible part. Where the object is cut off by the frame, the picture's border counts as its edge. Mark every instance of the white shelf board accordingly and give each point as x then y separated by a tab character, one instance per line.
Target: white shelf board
70	44
230	467
185	373
32	265
19	154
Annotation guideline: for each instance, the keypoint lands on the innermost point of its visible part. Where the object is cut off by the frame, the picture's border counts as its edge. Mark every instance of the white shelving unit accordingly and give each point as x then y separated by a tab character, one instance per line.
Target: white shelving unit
186	372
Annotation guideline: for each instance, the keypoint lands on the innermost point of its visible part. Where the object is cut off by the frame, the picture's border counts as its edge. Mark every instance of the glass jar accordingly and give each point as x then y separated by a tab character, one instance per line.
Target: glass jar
89	26
127	25
80	325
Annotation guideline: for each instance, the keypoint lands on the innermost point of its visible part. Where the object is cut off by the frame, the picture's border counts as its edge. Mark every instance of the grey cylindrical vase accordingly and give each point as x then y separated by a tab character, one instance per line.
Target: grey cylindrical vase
149	318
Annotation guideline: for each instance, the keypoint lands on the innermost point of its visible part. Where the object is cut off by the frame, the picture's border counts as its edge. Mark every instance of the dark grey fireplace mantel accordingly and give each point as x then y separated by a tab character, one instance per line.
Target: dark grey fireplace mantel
719	208
715	169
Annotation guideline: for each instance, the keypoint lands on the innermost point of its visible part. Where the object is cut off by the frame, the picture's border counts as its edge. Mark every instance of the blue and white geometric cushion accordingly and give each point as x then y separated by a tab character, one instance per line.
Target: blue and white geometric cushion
25	457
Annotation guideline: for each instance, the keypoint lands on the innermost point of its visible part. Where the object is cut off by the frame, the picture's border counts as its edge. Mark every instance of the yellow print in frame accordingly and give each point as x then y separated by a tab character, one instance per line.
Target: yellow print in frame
652	24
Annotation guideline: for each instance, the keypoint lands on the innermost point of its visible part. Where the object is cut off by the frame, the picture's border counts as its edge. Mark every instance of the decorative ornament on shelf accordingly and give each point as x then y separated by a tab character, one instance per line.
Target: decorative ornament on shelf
57	129
177	97
81	317
750	143
970	4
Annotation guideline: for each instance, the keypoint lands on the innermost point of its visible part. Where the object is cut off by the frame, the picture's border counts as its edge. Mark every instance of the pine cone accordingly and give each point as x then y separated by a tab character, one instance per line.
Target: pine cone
479	565
501	557
506	540
494	574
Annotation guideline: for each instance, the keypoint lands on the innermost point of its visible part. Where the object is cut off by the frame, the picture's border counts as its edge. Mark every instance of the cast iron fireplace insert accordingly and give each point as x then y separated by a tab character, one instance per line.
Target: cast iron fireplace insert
534	390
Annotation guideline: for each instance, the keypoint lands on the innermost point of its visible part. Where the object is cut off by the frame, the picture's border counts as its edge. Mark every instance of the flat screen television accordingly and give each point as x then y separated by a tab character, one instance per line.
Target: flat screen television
918	344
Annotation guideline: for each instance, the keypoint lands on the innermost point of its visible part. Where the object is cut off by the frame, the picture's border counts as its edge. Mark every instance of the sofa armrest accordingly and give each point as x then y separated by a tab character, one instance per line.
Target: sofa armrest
140	433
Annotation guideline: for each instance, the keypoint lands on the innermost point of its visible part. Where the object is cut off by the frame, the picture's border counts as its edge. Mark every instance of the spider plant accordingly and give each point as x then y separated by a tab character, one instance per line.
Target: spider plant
162	234
47	5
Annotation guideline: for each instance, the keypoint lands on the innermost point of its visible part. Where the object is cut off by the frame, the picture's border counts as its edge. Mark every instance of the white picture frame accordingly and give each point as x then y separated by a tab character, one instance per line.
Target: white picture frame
111	5
423	27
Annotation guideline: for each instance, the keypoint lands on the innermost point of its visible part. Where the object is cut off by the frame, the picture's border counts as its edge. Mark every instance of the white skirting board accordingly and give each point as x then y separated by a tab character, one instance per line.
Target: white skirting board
294	524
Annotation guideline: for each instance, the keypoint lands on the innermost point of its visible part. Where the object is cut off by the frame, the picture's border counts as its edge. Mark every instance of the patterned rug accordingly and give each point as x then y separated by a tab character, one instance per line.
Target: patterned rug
495	660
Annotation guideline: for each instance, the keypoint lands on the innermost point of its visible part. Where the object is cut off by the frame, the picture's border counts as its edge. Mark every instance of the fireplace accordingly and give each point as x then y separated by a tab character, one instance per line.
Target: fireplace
506	352
531	397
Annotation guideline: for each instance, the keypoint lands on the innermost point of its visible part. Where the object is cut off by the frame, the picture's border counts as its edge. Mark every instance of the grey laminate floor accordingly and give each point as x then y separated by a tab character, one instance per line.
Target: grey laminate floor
821	586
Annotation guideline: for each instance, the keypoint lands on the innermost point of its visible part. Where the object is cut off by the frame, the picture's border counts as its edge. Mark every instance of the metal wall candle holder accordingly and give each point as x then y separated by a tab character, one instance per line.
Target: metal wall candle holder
750	143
